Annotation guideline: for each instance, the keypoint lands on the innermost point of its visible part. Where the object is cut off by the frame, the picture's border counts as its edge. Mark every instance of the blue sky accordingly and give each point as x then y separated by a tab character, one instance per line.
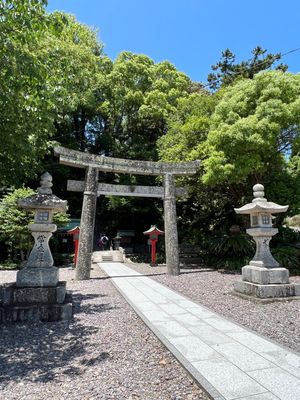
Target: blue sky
191	33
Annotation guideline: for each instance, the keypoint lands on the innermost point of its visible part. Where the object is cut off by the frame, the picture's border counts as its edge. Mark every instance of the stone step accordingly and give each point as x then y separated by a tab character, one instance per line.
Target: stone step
106	258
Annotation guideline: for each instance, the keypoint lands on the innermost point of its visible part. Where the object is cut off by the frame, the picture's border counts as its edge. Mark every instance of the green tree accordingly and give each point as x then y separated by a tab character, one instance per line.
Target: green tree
229	70
74	55
255	128
25	107
50	82
140	95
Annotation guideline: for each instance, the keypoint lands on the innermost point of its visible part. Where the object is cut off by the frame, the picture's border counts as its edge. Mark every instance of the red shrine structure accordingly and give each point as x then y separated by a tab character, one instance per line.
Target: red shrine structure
75	233
153	234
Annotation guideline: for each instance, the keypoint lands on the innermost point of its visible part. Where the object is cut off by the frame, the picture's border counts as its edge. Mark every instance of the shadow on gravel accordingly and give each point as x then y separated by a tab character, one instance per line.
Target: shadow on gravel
43	352
89	308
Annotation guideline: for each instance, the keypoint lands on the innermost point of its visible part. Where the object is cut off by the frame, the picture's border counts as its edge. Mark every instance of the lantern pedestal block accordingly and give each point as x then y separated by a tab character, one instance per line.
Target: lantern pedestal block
32	304
265	276
37	277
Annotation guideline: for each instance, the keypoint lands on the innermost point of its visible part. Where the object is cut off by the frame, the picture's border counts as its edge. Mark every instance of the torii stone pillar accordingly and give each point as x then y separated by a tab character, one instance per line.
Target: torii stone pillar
171	235
87	223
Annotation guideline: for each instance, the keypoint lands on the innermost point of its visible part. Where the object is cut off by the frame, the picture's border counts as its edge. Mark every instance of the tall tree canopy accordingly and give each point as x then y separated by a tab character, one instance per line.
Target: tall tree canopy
24	100
138	95
254	127
228	70
51	65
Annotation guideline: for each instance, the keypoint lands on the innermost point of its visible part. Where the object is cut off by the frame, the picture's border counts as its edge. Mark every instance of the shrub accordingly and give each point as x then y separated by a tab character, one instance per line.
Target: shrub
230	252
9	265
288	257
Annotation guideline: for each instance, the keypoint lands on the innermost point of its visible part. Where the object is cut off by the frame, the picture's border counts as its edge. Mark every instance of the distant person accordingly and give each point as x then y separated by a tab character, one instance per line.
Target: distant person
104	240
99	242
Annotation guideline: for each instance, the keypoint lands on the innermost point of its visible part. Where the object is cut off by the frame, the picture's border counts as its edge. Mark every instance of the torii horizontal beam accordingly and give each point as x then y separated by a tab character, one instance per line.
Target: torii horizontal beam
79	159
125	190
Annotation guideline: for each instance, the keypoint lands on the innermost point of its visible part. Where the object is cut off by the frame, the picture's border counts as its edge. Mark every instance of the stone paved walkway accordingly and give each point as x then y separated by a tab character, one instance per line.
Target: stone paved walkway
229	361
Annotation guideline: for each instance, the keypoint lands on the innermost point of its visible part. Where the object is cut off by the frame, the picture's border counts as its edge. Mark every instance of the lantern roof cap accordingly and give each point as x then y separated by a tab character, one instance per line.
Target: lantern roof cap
260	204
153	230
44	199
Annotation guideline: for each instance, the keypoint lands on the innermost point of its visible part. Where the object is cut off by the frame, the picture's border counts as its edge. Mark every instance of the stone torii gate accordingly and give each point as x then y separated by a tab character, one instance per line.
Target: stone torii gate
90	187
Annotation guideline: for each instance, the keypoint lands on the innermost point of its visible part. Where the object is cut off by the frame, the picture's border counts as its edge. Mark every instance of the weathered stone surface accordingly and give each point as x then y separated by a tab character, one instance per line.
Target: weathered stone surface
66	312
37	276
267	291
39	295
61	292
265	276
6	293
79	159
171	235
87	223
44	304
40	255
43	313
125	190
263	256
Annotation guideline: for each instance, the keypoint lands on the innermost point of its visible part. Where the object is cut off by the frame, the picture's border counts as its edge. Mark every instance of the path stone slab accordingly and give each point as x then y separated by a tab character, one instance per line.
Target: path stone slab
201	312
284	359
147	306
229	380
209	335
223	325
171	329
156	316
172	308
278	382
242	357
263	396
187	320
253	341
193	349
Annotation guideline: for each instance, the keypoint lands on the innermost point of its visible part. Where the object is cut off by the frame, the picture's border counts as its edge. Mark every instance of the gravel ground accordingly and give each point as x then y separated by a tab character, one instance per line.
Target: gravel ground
105	353
279	320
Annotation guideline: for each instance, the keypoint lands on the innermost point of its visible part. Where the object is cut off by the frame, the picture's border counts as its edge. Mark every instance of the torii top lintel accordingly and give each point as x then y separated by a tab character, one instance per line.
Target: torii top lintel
79	159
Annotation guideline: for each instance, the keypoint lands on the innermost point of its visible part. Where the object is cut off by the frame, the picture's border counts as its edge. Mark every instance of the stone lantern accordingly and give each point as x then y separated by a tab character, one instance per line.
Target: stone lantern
264	277
37	295
117	242
39	270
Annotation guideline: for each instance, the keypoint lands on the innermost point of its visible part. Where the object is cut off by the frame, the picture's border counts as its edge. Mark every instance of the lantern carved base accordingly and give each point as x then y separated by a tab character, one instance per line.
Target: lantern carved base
271	292
37	277
34	304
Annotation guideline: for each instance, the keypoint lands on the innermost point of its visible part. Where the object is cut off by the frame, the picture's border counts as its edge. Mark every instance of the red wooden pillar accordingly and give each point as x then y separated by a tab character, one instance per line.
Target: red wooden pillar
75	233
